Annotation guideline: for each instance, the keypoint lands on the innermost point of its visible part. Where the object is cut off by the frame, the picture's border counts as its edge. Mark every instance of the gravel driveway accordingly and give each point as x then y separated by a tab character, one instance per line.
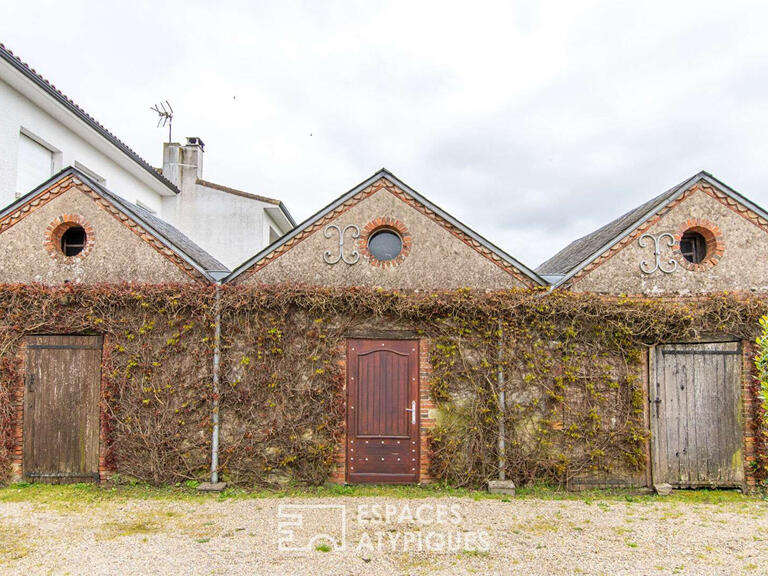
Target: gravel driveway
383	536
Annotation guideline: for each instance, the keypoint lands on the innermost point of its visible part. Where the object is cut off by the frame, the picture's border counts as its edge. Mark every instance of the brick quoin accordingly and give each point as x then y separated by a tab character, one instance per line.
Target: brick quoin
17	453
338	476
750	410
427	409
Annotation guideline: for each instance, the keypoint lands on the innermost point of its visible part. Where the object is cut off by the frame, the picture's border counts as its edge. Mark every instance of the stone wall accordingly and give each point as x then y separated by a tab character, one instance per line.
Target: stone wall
435	256
116	250
737	242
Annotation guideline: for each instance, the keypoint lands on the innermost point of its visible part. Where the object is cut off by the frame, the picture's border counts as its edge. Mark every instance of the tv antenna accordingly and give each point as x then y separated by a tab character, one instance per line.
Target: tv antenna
165	112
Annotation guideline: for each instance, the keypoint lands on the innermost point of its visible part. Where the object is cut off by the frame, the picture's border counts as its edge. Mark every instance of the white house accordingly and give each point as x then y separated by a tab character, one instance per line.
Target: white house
43	132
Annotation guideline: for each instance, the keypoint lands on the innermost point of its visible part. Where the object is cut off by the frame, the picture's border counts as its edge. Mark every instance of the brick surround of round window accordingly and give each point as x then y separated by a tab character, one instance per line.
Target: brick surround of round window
715	246
377	225
56	230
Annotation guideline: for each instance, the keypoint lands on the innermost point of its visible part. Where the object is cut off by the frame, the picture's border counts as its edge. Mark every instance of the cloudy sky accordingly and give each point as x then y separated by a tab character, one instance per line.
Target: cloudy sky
533	122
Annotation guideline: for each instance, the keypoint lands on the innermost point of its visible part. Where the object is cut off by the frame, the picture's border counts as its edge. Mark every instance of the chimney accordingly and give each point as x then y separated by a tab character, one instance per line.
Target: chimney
183	165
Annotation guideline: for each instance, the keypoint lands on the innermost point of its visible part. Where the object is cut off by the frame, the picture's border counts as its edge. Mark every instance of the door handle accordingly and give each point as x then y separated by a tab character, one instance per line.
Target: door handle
30	383
412	410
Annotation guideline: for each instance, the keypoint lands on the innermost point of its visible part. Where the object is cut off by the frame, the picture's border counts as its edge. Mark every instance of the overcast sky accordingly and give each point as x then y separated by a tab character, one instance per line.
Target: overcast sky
532	122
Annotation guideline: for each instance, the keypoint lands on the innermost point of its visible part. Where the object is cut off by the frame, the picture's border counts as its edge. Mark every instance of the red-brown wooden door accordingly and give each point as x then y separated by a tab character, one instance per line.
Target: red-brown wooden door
382	411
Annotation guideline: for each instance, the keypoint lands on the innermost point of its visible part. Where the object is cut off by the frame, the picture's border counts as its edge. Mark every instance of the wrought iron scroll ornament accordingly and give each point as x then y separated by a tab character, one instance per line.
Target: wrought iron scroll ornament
645	267
354	256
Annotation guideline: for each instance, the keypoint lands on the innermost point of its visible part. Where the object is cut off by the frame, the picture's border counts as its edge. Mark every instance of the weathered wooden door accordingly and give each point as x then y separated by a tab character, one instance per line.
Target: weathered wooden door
61	408
696	423
382	411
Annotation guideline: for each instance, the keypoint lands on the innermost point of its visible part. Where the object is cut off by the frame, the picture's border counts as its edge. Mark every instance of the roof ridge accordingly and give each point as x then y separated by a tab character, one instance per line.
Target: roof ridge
478	242
237	191
35	76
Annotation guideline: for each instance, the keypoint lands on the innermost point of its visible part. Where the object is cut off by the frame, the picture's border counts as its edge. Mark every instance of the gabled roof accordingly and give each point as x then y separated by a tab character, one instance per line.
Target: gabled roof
56	94
580	253
187	253
265	199
491	251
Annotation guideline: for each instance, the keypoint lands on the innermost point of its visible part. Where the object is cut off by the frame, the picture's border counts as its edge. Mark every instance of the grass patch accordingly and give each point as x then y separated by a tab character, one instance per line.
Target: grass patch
141	524
14	544
323	548
85	494
475	553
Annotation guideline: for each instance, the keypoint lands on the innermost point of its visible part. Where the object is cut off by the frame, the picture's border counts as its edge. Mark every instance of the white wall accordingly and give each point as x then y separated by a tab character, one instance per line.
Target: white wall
231	228
17	112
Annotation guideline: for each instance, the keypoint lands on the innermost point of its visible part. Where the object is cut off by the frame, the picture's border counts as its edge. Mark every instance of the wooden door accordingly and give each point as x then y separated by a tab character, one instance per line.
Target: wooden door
696	423
61	409
382	411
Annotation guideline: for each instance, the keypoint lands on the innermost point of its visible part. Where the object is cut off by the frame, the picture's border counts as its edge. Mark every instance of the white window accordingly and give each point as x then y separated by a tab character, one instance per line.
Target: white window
35	164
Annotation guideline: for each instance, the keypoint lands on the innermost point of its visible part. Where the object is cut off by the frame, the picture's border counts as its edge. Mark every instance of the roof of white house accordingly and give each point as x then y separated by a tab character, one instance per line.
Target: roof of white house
15	72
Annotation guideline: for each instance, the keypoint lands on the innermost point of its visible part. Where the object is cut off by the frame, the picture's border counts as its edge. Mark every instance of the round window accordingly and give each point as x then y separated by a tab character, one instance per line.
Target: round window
73	241
385	245
693	246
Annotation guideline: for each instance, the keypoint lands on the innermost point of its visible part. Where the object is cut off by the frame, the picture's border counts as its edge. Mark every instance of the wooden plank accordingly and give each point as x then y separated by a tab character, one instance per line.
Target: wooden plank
732	442
683	424
671	418
700	417
658	430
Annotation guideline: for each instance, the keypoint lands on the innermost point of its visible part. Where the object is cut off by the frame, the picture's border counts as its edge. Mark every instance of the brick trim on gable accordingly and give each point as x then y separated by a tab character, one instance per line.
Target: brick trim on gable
376	225
714	240
56	230
384	184
69	182
705	188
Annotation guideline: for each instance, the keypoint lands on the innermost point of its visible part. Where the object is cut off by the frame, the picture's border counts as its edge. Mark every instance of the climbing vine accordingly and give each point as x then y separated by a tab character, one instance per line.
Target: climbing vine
573	367
156	369
761	362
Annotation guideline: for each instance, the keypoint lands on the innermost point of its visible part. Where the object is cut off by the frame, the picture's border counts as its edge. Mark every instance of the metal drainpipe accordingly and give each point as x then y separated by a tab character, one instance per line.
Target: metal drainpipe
216	360
502	409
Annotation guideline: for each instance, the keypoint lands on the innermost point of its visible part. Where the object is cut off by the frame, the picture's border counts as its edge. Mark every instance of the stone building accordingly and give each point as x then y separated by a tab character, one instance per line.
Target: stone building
72	229
696	239
382	233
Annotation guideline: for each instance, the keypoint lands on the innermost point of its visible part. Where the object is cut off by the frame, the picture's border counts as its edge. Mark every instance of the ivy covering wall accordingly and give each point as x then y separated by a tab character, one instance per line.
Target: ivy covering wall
761	362
573	368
